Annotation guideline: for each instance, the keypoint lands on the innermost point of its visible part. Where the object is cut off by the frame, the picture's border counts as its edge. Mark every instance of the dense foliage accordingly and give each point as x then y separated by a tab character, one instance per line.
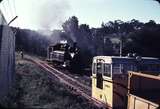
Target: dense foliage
137	37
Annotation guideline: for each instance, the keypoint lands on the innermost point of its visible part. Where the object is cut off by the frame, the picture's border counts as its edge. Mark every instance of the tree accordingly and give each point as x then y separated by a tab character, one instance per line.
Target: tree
145	41
157	1
151	23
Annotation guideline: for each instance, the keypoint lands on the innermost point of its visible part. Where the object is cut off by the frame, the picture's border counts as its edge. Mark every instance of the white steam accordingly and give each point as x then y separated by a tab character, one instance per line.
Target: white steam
41	14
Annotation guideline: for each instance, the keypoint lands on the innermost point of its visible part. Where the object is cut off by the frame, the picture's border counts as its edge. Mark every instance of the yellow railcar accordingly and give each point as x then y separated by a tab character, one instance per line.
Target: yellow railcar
110	77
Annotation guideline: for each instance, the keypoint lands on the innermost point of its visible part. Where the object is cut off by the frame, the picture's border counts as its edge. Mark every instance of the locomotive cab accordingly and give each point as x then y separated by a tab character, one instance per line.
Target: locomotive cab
56	52
62	54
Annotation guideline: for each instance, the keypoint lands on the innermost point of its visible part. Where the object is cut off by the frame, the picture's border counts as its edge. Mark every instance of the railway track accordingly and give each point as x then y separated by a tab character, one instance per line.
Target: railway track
72	83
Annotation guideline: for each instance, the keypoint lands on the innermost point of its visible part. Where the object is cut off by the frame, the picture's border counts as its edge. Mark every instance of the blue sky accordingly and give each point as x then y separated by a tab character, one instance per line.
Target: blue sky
96	11
50	14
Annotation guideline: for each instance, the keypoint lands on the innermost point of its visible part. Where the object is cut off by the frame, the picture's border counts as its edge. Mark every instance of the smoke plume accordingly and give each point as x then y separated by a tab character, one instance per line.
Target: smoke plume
52	13
42	14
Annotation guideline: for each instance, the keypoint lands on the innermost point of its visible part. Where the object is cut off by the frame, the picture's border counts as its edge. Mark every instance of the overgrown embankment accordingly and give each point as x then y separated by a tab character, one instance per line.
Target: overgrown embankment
34	89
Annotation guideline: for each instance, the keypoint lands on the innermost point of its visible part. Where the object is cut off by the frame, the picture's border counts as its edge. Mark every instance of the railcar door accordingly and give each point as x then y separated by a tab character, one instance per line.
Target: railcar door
99	75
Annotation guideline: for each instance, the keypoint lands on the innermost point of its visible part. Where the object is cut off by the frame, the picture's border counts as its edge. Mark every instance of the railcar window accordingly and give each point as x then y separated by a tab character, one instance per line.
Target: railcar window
128	67
117	68
133	67
154	68
60	47
144	67
99	68
94	68
107	70
151	68
50	49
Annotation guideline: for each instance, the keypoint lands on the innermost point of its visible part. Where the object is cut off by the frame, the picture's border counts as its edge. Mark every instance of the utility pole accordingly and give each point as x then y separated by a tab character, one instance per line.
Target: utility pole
121	46
120	43
104	42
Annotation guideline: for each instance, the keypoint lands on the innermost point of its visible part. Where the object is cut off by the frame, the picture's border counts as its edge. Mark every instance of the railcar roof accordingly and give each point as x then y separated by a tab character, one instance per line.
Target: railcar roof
58	51
126	59
123	57
52	45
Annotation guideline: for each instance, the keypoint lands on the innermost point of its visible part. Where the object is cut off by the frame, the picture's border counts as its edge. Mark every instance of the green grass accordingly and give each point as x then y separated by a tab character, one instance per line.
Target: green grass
34	89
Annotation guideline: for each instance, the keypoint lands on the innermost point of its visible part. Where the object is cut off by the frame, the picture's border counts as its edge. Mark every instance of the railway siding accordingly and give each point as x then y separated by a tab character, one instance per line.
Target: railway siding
72	83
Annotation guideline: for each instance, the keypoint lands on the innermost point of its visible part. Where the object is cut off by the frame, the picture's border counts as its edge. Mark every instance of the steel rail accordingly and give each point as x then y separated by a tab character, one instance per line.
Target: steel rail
77	87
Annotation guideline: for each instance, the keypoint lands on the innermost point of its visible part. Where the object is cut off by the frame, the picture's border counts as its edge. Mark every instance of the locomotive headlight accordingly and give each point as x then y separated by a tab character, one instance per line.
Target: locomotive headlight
72	55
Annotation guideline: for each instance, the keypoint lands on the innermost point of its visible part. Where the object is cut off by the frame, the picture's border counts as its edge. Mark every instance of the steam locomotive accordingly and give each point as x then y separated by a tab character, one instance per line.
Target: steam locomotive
63	54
